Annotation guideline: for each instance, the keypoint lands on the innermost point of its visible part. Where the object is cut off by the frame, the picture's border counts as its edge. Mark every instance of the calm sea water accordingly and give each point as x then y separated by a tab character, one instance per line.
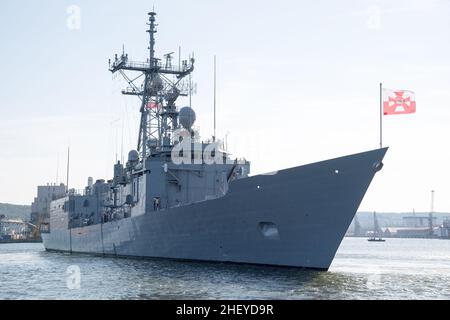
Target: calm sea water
395	269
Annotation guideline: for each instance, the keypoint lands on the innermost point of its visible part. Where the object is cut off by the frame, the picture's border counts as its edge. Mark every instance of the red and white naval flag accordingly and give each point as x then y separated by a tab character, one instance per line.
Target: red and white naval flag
398	102
152	105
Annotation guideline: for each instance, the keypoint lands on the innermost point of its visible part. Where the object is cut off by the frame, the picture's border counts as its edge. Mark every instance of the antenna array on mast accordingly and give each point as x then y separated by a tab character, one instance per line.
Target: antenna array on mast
158	86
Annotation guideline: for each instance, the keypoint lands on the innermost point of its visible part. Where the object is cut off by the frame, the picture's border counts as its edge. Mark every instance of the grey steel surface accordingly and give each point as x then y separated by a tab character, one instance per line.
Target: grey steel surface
295	217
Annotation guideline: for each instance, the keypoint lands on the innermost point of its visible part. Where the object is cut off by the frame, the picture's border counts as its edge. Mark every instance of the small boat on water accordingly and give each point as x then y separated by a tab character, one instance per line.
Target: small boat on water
376	231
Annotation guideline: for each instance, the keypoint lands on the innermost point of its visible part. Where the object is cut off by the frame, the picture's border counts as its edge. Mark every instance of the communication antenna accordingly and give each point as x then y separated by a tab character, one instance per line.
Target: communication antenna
432	201
190	84
179	57
121	147
215	90
115	131
68	166
57	168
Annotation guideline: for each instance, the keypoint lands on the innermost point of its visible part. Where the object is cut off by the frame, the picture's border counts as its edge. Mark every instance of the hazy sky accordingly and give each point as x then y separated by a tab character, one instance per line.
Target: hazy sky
298	82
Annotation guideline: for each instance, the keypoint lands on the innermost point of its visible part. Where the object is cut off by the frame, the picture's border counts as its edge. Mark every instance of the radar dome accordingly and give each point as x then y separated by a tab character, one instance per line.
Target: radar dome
133	156
187	117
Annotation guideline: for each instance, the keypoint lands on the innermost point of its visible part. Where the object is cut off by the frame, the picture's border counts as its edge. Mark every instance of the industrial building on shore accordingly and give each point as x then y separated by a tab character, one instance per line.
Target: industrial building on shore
411	226
22	230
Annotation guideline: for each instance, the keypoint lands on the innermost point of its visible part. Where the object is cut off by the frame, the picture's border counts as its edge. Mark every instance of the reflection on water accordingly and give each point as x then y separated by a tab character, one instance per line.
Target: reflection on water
396	269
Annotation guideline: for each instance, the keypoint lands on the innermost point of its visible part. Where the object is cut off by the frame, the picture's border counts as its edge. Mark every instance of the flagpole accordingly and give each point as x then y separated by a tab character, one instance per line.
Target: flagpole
381	115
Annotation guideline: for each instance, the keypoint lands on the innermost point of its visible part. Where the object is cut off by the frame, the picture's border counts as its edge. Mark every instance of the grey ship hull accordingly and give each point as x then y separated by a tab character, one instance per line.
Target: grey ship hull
296	217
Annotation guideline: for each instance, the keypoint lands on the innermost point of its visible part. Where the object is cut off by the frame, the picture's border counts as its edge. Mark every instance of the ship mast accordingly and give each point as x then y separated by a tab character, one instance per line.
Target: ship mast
161	86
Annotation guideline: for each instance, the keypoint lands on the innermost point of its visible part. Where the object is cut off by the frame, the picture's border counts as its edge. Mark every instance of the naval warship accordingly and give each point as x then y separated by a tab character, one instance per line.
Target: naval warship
178	197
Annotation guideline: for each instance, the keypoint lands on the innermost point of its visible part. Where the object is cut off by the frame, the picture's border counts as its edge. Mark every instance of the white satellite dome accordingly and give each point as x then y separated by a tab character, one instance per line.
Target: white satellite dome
133	156
187	117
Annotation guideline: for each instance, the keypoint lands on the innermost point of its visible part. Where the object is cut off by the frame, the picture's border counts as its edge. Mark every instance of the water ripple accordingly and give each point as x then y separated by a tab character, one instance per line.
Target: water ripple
396	269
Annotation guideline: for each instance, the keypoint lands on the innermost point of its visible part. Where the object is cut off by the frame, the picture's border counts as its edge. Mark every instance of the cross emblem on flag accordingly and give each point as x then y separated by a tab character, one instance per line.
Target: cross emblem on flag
152	105
398	102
